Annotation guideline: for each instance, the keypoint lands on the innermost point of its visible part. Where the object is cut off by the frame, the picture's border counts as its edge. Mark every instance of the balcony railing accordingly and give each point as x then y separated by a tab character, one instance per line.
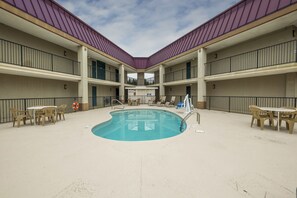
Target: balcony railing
180	98
23	103
100	101
103	74
269	56
182	74
240	104
16	54
149	81
131	81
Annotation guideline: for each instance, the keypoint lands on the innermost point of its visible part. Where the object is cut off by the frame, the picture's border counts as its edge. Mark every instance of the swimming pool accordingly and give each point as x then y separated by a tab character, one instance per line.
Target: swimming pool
140	125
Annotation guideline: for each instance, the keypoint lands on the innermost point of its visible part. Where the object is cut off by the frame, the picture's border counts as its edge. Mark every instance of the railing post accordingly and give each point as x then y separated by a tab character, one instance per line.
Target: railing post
25	104
230	64
257	58
52	62
256	101
182	74
295	102
73	67
54	101
229	103
210	69
22	61
296	51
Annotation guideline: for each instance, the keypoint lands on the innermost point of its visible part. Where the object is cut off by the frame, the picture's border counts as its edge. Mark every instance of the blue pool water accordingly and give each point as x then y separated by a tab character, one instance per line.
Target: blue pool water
140	125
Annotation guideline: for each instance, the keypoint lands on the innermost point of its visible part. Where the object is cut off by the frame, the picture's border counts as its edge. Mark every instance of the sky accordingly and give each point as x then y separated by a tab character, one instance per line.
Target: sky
143	27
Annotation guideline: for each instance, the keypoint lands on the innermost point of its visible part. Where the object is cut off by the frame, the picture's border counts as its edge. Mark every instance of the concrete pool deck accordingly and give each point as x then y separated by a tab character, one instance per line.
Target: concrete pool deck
229	159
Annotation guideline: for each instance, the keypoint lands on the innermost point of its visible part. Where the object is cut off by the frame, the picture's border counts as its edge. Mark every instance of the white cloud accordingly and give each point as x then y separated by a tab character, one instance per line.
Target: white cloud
143	27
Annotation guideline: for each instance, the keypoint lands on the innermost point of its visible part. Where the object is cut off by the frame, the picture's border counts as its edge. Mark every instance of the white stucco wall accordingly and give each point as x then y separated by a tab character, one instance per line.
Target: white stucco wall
27	87
270	86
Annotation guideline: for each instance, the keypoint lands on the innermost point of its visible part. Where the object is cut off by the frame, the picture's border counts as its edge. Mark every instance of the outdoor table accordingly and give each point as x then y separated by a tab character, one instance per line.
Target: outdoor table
278	110
34	108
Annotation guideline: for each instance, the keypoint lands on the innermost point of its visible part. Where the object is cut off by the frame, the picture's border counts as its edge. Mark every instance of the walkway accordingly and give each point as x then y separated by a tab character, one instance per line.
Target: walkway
229	159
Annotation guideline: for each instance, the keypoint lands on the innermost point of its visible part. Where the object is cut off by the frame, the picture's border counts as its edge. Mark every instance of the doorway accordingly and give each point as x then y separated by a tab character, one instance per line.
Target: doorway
188	70
117	90
117	79
100	70
94	69
94	96
188	91
126	95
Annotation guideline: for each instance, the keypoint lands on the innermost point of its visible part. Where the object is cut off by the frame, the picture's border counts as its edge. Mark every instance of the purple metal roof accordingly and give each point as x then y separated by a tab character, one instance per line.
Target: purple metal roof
55	15
141	62
244	12
241	14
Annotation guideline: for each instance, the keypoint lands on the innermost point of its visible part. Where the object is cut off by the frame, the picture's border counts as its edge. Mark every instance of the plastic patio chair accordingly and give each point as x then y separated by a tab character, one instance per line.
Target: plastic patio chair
49	113
171	103
61	111
290	119
18	115
261	116
162	101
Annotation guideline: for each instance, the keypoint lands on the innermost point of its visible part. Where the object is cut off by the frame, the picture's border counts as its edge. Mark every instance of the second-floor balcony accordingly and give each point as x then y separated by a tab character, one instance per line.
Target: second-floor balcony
152	80
131	81
279	54
103	74
149	81
20	55
182	74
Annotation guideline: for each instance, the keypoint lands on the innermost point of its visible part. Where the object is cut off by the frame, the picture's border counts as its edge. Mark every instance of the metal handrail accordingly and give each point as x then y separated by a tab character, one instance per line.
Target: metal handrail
30	57
116	100
187	117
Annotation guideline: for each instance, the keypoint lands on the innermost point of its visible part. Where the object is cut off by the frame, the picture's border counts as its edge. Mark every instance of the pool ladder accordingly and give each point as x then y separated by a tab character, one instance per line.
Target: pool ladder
187	117
116	100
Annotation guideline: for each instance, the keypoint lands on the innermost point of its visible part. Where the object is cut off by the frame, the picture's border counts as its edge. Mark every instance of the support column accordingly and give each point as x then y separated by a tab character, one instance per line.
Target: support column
122	81
140	78
161	81
83	83
201	84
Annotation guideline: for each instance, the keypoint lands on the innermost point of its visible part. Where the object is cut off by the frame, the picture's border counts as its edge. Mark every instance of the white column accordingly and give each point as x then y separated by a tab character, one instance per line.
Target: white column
83	83
201	84
140	78
122	81
161	80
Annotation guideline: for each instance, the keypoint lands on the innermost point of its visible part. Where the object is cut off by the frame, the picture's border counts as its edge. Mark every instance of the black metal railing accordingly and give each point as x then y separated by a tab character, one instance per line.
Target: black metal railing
100	101
23	103
180	98
157	79
144	99
240	104
269	56
105	101
103	74
131	81
16	54
181	74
